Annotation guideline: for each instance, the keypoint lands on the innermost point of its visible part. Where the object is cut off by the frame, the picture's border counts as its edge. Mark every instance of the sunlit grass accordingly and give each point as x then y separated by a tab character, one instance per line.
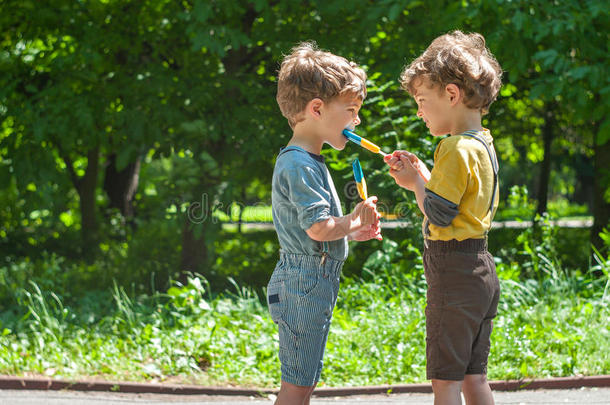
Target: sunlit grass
554	326
256	213
551	321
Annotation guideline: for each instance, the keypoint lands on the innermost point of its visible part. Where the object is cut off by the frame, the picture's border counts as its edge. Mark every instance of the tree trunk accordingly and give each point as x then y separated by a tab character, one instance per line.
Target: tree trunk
545	169
242	205
194	252
121	185
601	183
86	191
195	255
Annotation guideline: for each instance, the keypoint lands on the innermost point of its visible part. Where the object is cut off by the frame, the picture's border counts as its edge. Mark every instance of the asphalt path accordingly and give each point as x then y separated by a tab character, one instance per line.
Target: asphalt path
581	396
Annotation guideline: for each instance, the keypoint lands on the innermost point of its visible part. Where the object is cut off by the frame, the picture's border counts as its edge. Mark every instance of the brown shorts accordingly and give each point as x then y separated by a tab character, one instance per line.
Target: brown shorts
462	300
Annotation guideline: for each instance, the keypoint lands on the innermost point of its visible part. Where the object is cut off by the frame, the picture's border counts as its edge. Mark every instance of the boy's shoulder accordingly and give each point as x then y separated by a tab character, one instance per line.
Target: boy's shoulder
297	169
449	144
297	160
464	143
296	156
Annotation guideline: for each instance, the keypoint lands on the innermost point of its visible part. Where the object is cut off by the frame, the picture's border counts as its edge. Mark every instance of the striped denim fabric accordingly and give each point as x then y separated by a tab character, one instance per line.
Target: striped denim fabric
301	296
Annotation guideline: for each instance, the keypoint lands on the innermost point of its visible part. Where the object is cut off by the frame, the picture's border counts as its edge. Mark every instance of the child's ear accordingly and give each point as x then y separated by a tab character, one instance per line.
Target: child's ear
454	93
314	106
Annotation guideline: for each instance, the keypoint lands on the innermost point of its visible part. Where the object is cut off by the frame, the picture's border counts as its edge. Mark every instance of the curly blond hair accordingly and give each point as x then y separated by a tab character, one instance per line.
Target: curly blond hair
461	59
309	73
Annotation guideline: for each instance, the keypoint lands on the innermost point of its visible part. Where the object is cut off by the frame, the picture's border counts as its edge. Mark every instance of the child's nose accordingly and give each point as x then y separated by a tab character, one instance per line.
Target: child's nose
357	120
420	114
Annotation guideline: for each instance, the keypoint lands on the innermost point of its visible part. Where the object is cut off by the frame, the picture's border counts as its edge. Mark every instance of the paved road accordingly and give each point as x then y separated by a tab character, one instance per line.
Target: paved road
583	396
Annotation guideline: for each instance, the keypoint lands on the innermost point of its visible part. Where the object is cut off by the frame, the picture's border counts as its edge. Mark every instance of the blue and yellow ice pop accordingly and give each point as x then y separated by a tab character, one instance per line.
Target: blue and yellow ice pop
363	142
359	177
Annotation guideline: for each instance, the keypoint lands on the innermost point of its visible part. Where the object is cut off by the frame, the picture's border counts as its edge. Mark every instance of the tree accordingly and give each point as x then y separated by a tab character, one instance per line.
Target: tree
89	88
557	52
94	92
84	87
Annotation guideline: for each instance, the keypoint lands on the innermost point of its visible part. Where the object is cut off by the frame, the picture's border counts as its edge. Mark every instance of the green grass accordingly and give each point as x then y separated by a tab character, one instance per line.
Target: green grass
256	213
555	324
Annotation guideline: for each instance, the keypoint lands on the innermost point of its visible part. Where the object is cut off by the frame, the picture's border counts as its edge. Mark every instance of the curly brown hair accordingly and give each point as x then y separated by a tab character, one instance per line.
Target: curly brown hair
461	59
309	73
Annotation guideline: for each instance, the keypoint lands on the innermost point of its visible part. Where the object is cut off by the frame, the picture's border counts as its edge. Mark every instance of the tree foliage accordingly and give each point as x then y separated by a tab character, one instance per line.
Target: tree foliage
122	119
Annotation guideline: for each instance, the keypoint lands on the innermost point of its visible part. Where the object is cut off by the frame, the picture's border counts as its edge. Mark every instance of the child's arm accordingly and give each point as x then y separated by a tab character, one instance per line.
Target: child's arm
406	175
364	216
437	209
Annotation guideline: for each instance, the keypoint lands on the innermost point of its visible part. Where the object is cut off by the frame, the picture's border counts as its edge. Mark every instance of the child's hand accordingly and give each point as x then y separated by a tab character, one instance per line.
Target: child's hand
402	159
407	177
367	233
393	160
417	164
366	212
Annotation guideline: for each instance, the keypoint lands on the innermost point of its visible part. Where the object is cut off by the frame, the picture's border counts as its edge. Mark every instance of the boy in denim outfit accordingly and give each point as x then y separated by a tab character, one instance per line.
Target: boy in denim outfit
320	94
454	82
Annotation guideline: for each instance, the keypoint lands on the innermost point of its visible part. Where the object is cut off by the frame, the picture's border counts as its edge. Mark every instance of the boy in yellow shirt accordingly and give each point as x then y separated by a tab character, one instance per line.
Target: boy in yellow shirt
454	82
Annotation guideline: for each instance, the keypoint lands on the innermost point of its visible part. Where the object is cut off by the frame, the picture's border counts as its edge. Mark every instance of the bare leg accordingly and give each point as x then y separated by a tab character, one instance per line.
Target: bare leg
291	394
306	402
477	390
447	392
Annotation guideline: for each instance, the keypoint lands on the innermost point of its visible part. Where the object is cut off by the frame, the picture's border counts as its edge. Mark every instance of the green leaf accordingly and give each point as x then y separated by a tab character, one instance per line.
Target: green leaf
546	57
209	163
196	126
202	10
174	291
603	135
124	157
538	90
394	11
579	72
518	20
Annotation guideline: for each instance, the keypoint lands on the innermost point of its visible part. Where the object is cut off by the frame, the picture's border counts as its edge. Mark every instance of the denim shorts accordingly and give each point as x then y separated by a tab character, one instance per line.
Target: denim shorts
462	300
301	296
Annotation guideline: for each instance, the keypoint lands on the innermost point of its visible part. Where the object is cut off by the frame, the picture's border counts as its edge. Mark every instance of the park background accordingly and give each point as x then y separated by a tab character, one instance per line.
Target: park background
137	142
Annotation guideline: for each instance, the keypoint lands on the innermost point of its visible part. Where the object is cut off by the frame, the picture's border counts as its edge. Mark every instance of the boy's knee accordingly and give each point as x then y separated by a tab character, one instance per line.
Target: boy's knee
445	382
446	385
297	389
475	379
